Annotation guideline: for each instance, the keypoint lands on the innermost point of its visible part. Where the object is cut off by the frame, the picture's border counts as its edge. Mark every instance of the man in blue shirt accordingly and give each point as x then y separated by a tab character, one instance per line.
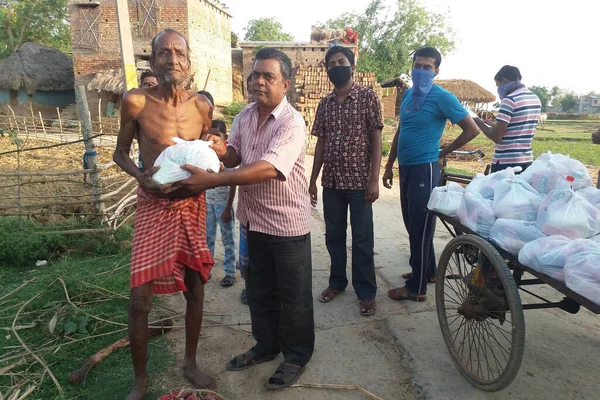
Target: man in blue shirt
425	109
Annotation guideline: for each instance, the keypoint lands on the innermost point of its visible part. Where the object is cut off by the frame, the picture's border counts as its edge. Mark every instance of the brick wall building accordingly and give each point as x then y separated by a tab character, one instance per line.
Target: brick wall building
204	23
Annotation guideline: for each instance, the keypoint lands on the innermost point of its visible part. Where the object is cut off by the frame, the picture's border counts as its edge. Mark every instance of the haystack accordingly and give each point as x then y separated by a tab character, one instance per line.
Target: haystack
110	80
467	91
37	68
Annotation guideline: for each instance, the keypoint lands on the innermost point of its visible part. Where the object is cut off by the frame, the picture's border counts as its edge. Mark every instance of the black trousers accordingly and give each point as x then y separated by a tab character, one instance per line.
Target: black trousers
279	287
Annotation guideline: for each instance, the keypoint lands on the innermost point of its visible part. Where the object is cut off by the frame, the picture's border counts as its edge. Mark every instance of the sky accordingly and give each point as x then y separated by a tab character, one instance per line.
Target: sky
552	45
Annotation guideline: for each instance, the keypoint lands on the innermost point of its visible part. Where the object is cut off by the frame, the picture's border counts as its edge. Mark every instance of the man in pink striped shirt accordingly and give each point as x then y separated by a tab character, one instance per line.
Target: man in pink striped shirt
274	205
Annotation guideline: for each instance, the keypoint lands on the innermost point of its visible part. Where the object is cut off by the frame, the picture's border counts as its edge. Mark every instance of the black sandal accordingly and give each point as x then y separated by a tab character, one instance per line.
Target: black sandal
408	276
229	280
247	360
368	307
285	376
244	297
395	294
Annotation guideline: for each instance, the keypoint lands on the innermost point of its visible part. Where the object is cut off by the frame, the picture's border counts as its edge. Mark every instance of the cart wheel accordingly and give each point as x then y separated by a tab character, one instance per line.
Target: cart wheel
480	312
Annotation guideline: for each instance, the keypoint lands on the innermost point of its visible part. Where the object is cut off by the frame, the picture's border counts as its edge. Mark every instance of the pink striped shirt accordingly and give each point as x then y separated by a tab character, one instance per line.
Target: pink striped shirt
278	207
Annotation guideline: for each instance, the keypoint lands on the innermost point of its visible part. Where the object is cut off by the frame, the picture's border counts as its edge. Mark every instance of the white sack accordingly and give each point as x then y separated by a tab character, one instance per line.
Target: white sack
194	152
476	213
582	274
512	235
485	184
446	199
550	170
516	199
565	212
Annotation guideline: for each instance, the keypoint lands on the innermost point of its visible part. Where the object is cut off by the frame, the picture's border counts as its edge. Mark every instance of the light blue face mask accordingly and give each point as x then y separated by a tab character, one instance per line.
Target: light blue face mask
504	89
422	84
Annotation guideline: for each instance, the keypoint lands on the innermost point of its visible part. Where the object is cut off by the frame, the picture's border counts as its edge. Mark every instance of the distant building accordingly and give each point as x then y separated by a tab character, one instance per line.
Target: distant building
587	104
206	24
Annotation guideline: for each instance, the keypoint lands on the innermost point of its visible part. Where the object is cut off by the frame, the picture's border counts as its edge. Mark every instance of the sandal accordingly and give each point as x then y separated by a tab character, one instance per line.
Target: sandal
368	307
408	276
229	280
328	295
244	297
395	294
247	360
285	376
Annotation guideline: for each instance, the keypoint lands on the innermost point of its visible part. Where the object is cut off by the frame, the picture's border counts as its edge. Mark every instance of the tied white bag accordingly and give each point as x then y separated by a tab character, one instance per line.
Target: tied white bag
550	170
514	198
582	274
592	195
512	235
476	213
446	199
194	152
486	184
565	212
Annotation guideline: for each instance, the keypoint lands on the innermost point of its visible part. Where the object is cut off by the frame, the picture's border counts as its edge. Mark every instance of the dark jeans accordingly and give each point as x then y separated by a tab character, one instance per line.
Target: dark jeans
335	208
499	167
416	184
279	287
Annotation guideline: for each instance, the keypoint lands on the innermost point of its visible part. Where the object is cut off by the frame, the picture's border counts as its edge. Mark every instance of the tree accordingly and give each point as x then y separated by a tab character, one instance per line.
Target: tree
543	94
234	40
568	102
37	21
389	35
556	94
266	29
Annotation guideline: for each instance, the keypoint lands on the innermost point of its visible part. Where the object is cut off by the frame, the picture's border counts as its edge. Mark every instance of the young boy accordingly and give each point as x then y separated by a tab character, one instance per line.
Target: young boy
219	203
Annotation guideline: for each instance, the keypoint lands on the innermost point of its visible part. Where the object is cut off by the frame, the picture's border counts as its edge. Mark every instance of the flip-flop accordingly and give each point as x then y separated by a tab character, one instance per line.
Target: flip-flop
228	281
395	294
328	295
408	276
247	360
244	297
285	376
369	307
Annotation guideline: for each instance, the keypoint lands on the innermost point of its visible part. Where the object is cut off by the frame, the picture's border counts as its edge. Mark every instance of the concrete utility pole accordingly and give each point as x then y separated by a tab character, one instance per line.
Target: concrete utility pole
127	57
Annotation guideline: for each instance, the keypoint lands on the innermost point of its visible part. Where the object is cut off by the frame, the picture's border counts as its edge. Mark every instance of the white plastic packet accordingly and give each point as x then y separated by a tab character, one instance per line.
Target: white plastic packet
512	235
446	199
582	274
485	184
514	198
549	254
550	170
194	152
565	212
476	213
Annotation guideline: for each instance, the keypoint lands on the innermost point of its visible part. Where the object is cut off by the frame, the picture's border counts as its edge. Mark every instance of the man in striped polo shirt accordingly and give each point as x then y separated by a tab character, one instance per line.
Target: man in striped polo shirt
515	123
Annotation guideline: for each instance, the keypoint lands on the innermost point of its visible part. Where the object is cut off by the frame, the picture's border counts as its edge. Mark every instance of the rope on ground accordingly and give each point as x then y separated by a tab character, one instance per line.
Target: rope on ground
337	387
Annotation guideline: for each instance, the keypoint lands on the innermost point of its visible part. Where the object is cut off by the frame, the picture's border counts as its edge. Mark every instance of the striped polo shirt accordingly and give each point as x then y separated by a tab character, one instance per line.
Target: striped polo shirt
520	110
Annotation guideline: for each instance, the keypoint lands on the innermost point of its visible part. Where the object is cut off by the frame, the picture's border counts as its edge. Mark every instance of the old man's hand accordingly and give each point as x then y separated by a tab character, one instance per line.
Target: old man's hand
146	182
200	180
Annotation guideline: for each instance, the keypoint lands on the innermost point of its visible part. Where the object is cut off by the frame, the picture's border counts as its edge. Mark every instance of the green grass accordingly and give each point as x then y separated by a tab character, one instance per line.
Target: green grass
111	378
571	138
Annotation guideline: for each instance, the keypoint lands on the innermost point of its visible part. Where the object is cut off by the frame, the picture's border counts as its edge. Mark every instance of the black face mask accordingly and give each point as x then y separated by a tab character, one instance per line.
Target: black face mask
339	75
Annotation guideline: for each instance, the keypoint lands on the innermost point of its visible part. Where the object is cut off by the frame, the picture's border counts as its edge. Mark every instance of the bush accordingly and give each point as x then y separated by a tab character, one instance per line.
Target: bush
234	108
22	246
385	149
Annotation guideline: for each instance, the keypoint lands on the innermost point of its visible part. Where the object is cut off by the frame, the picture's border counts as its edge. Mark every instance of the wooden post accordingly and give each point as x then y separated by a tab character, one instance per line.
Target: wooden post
59	123
90	149
43	126
32	117
100	116
127	57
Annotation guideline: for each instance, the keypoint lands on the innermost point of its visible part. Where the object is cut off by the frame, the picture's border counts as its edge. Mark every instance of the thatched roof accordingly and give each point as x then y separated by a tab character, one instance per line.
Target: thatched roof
396	82
110	80
37	68
467	91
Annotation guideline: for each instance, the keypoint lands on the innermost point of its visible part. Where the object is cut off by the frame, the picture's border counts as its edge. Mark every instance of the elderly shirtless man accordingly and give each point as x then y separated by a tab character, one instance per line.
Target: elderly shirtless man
169	245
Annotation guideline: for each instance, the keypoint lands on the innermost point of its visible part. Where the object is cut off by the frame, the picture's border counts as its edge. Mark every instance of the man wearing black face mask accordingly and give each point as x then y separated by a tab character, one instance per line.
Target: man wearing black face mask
348	124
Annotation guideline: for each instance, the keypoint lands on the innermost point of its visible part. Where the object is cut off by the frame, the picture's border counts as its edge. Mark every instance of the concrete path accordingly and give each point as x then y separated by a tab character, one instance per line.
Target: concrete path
399	353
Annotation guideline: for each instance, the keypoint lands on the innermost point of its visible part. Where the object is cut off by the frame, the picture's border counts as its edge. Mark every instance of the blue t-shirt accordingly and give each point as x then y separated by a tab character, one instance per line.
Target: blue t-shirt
421	131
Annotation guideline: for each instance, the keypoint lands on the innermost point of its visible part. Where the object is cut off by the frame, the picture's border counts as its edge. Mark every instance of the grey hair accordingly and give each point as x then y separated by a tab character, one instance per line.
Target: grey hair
271	53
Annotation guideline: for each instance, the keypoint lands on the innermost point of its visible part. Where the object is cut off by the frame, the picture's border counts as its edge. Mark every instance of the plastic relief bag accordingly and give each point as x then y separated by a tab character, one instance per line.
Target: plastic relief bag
549	170
582	274
476	213
549	254
516	199
592	195
512	235
194	152
565	212
486	184
446	199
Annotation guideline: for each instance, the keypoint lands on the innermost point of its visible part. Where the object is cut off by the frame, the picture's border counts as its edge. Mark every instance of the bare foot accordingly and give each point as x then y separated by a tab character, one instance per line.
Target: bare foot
199	379
140	389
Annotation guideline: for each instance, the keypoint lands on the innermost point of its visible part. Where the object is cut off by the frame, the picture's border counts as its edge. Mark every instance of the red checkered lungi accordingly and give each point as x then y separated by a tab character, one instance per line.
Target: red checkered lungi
169	235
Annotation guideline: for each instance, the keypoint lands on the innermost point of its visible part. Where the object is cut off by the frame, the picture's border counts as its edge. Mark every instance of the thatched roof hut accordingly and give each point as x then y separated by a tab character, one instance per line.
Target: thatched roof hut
37	68
467	91
397	82
110	80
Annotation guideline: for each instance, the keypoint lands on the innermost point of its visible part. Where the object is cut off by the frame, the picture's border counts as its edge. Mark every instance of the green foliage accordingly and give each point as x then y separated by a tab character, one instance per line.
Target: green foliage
543	94
390	121
38	21
388	36
568	102
234	40
266	29
22	243
386	147
234	108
